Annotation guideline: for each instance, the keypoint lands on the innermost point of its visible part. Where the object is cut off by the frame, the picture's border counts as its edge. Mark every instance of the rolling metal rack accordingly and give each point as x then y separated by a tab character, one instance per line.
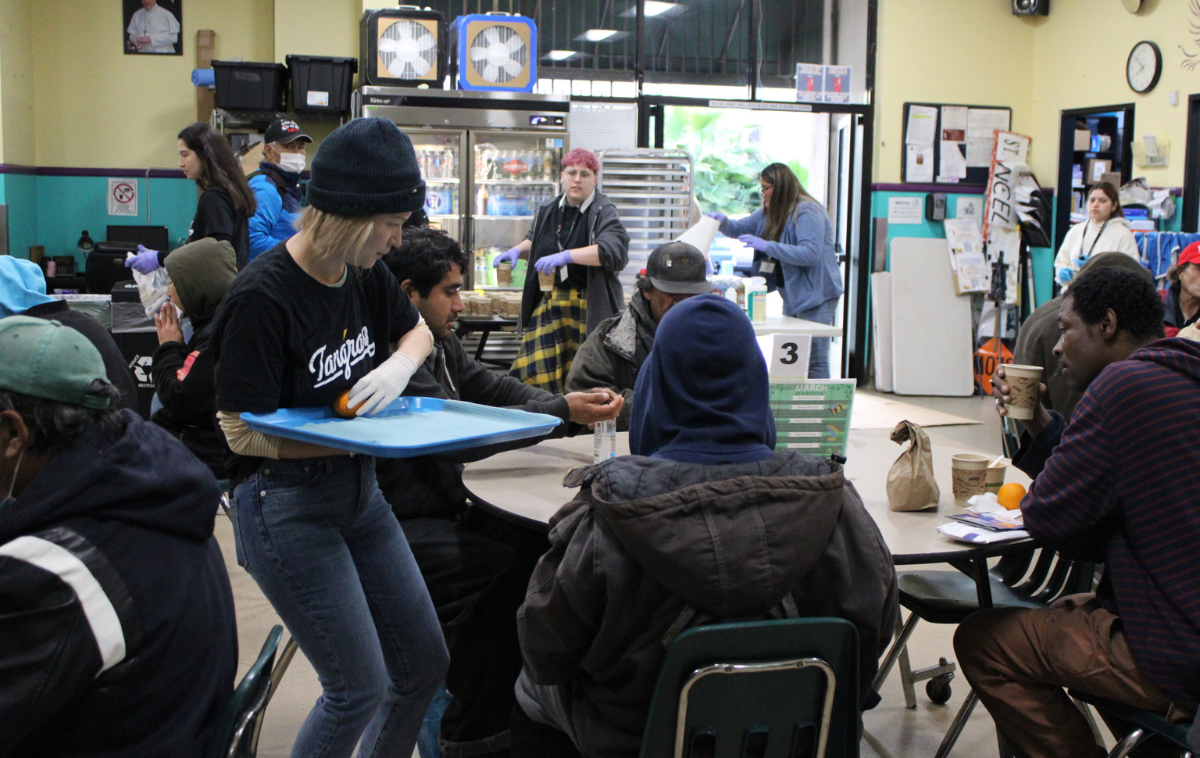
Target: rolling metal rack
652	191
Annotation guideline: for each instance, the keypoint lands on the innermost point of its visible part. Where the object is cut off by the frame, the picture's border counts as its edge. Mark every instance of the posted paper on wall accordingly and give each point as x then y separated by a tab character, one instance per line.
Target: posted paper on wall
918	166
922	126
906	210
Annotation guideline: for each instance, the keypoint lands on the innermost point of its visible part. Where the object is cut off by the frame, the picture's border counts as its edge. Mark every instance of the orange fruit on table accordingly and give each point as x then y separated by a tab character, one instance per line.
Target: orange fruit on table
341	406
1010	495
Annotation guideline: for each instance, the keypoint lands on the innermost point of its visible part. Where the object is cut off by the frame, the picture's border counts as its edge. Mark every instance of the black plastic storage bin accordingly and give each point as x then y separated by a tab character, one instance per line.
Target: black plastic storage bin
321	85
250	86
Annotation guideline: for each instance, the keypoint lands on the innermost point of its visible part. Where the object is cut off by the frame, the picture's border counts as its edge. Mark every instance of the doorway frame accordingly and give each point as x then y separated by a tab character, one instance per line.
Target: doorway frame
1190	222
1066	155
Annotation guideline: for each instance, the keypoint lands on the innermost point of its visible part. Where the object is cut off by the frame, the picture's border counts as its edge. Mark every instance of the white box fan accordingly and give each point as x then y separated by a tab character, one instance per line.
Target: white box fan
402	46
495	52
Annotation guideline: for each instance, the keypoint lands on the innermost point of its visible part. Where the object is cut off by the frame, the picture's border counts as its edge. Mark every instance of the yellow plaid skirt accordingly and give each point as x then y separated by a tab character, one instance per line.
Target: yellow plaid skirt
557	328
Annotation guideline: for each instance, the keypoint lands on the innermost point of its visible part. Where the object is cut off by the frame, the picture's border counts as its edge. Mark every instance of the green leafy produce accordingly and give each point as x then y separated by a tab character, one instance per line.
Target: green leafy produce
725	158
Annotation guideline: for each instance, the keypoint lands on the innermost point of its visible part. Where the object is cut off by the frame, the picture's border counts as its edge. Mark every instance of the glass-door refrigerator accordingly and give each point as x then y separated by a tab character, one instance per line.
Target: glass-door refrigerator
513	172
439	154
488	160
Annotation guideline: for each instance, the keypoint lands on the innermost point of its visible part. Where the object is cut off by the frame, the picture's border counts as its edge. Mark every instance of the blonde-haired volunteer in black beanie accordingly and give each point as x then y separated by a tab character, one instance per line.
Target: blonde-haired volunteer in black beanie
305	321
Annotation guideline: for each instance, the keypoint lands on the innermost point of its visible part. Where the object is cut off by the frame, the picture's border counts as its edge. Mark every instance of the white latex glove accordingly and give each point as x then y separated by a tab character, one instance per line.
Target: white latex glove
379	388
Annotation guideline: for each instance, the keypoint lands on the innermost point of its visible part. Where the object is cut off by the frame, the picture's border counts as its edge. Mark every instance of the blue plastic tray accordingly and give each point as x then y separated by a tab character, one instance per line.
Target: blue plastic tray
410	426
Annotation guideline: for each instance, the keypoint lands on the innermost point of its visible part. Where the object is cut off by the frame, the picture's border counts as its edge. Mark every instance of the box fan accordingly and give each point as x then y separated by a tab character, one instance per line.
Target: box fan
402	46
495	52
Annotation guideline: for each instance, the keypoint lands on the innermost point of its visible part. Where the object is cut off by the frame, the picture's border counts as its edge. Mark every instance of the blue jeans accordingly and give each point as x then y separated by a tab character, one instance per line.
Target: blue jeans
818	357
324	547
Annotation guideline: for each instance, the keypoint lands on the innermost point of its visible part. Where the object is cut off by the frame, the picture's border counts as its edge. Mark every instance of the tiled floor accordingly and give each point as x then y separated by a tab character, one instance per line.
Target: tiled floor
892	731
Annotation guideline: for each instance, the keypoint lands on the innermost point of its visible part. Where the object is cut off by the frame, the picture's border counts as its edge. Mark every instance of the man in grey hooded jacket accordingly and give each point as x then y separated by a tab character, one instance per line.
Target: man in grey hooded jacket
705	515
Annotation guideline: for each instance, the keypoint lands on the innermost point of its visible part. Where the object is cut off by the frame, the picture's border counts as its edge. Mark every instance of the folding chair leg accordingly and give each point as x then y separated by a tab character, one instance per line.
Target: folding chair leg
1087	714
906	680
956	727
1126	746
903	632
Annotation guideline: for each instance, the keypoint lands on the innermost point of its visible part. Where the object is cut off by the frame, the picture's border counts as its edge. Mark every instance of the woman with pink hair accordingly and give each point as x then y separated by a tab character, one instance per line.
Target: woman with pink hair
578	238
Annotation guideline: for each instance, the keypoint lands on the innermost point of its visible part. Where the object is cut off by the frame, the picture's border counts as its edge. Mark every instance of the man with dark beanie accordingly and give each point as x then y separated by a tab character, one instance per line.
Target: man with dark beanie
201	272
309	320
705	521
1118	485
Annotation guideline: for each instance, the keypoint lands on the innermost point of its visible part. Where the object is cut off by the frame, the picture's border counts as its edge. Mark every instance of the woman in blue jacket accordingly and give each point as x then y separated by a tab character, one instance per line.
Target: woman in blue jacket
793	243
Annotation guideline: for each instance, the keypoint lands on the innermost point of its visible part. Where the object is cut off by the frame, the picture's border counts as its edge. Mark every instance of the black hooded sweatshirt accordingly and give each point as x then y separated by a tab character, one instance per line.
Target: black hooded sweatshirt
117	630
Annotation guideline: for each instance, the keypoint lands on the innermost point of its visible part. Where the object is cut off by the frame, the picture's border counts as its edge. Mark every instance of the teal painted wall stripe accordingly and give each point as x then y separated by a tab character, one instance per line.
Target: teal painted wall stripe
20	194
67	205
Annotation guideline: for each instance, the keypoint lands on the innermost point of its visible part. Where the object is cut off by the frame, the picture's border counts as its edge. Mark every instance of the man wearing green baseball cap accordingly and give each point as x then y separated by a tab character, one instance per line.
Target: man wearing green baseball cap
114	589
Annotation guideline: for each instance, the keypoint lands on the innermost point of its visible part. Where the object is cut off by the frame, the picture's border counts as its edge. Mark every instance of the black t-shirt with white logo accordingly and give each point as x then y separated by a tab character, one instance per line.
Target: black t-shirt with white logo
284	340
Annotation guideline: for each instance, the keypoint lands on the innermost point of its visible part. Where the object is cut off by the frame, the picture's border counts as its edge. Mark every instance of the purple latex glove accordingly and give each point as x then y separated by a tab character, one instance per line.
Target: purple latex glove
758	243
551	262
720	217
145	262
508	256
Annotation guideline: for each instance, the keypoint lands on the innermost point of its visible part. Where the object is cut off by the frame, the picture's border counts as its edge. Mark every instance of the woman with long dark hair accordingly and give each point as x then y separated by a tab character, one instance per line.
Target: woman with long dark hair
1105	231
793	243
226	201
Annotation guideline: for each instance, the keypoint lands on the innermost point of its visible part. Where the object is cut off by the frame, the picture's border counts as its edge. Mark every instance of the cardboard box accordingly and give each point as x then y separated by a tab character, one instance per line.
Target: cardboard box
1095	169
1083	140
1113	178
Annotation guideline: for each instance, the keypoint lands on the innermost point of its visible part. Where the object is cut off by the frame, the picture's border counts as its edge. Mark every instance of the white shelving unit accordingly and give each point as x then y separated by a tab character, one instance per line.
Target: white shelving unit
652	191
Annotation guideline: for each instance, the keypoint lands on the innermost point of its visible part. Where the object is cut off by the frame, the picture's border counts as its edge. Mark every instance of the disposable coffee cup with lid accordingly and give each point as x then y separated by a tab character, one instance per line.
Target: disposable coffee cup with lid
1023	384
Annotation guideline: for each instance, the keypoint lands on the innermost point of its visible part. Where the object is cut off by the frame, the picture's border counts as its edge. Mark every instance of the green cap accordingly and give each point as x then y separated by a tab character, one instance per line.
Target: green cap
48	360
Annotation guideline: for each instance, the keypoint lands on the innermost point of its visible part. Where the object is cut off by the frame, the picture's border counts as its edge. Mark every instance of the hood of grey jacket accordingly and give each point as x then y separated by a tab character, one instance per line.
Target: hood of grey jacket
729	540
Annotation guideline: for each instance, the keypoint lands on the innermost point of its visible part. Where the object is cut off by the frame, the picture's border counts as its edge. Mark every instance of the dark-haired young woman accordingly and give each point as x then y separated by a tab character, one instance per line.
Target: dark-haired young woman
793	243
226	200
1105	231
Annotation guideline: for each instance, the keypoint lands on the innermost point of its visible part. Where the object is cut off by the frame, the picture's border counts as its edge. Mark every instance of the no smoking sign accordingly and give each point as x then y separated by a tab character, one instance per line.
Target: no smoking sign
122	197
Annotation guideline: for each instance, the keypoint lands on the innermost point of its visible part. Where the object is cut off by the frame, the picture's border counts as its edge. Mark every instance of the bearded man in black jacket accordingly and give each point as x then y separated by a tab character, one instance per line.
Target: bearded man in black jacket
475	564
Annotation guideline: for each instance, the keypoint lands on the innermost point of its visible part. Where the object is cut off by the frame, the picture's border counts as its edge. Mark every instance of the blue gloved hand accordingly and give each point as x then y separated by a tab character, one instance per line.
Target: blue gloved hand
720	217
145	262
1065	276
758	243
551	262
508	256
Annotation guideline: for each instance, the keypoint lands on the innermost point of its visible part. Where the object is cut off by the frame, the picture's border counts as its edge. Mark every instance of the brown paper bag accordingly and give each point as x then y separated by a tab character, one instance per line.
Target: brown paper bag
911	485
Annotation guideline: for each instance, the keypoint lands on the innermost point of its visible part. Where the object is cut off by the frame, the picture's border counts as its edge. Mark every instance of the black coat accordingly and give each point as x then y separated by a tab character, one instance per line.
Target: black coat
135	655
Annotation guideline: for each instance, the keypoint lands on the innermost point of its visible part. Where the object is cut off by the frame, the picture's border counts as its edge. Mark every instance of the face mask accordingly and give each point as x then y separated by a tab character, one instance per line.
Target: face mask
293	162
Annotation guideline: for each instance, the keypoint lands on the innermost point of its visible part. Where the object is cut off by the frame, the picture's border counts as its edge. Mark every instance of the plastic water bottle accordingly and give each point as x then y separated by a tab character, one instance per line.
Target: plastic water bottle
604	445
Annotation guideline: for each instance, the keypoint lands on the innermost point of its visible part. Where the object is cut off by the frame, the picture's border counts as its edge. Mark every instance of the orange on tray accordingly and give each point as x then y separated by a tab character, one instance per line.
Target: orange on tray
341	406
1010	495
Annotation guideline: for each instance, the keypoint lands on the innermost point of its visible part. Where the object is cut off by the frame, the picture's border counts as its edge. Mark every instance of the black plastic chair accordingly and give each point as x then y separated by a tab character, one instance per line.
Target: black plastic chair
1146	725
761	689
1031	578
236	733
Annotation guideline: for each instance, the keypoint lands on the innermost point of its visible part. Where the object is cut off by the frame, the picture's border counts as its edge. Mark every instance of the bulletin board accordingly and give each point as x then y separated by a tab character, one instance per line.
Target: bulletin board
950	144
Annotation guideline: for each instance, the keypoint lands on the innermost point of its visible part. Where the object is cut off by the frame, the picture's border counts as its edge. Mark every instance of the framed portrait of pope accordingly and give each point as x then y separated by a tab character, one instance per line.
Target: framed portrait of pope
153	27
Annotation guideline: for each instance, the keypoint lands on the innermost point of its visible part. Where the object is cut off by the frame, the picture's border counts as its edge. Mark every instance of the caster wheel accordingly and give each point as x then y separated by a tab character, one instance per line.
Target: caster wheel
938	689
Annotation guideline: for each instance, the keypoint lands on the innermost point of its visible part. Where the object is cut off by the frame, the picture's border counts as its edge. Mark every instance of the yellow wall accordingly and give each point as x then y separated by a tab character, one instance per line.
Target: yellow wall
16	83
317	27
1080	52
977	52
973	52
99	108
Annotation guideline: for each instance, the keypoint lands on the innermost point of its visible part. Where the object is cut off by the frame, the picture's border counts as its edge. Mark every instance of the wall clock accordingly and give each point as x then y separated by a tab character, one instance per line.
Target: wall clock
1143	67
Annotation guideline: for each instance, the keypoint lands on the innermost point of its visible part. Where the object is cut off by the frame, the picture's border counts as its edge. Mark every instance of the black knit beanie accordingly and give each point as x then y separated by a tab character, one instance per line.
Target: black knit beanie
365	168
